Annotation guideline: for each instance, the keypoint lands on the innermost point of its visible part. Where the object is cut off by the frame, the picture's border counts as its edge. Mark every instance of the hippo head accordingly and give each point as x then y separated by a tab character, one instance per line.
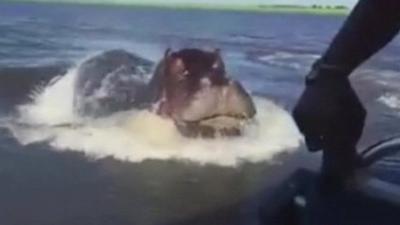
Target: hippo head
198	95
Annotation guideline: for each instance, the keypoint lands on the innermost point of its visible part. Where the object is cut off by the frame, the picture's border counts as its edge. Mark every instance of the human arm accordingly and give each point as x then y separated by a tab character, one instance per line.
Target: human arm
329	113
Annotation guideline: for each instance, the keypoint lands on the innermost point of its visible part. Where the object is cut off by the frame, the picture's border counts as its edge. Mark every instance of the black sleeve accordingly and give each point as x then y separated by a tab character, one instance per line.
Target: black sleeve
369	27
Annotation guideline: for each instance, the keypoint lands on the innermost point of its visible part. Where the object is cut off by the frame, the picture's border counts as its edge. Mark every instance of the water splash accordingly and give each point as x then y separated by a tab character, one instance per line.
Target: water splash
139	135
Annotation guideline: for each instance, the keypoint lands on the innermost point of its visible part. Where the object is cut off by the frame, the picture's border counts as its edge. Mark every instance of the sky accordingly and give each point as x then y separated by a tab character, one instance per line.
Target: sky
243	2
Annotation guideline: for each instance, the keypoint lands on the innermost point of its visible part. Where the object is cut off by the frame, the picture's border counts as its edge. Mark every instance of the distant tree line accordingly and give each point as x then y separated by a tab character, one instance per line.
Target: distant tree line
315	6
329	7
281	6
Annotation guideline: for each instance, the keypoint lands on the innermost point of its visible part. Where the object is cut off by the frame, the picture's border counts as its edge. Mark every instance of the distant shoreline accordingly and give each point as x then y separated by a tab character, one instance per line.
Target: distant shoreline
293	9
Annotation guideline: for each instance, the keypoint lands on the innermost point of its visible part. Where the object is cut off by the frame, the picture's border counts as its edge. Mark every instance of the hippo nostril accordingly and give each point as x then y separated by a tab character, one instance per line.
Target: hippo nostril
205	81
219	80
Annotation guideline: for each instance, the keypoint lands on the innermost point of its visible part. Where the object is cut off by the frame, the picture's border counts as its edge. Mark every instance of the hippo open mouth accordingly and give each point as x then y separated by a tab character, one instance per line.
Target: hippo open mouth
216	110
221	125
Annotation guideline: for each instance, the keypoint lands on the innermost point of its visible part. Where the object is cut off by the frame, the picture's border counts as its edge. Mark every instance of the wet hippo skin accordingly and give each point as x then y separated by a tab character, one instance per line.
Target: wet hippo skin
189	86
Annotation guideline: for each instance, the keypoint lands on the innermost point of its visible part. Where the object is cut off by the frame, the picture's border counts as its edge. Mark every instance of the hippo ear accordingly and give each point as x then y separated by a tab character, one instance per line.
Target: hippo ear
176	66
218	63
167	53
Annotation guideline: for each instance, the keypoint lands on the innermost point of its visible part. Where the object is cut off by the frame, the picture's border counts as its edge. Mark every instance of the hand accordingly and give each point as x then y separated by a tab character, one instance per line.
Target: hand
329	113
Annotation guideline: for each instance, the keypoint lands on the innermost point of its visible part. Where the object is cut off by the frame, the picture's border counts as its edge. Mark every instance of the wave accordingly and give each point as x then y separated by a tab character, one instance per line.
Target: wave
250	39
139	135
295	61
390	100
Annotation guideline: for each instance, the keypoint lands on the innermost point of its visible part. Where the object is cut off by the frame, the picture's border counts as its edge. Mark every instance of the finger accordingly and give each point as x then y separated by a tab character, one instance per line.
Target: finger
313	143
313	138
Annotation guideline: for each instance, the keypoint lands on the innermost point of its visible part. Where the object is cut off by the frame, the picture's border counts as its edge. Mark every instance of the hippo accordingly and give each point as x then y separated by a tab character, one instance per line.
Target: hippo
189	86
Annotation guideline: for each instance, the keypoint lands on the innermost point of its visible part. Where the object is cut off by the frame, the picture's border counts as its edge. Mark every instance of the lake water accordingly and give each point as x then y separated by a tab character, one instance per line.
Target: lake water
134	168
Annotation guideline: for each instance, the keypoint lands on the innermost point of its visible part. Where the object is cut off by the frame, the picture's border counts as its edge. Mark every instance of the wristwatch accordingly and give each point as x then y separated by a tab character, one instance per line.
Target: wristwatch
320	69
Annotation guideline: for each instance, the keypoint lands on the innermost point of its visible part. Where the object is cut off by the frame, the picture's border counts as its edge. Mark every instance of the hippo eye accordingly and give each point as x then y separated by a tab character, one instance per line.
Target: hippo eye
183	75
215	66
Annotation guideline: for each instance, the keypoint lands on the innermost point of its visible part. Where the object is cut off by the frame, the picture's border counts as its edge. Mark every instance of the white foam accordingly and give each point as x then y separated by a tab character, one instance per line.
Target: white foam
140	135
51	104
289	60
393	101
